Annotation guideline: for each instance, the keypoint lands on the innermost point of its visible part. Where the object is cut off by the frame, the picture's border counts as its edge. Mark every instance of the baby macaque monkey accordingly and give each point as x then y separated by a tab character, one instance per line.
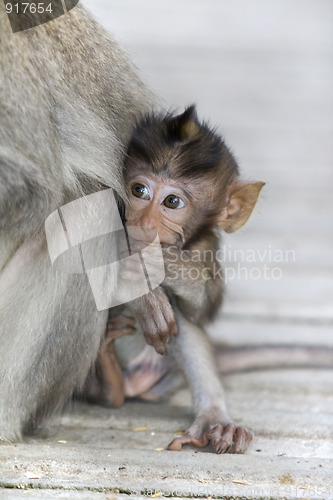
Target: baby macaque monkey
182	181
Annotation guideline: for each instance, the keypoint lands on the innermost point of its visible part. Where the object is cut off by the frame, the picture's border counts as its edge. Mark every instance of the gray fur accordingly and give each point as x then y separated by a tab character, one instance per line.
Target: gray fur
68	100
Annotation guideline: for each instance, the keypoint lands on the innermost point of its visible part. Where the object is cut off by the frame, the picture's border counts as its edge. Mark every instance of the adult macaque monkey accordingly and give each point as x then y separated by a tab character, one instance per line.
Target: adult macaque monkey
69	98
182	181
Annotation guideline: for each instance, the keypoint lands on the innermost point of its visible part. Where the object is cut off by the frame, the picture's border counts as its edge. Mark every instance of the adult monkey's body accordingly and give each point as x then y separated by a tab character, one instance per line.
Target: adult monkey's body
68	101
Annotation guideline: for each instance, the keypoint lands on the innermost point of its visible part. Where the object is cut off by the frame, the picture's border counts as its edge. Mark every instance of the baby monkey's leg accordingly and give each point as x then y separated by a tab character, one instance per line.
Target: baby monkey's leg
105	386
212	423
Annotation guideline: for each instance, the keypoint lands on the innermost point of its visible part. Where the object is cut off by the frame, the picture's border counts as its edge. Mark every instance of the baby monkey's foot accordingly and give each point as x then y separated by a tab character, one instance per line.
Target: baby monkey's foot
227	438
230	438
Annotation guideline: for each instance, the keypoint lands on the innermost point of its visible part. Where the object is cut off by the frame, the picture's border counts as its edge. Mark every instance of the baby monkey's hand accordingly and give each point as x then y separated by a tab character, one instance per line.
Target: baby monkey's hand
156	317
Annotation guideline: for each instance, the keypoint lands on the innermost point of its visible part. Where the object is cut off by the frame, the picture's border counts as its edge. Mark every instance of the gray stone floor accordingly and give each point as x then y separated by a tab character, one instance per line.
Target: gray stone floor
262	72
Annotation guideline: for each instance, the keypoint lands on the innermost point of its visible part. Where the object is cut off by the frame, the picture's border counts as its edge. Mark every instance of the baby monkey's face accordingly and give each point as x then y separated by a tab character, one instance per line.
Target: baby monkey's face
157	203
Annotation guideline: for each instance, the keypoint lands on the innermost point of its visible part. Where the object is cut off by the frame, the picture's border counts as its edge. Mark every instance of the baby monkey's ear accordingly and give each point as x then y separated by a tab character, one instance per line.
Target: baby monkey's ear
241	200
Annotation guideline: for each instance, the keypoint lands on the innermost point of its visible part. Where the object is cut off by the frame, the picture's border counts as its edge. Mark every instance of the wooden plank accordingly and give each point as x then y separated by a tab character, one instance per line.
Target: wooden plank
232	330
182	474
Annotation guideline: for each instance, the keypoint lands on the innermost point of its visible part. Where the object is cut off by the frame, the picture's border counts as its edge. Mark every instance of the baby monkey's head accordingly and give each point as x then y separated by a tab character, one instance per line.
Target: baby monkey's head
182	180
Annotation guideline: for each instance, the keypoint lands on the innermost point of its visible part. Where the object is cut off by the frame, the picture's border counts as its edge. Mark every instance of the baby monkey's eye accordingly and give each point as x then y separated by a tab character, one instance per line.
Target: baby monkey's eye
173	201
140	191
